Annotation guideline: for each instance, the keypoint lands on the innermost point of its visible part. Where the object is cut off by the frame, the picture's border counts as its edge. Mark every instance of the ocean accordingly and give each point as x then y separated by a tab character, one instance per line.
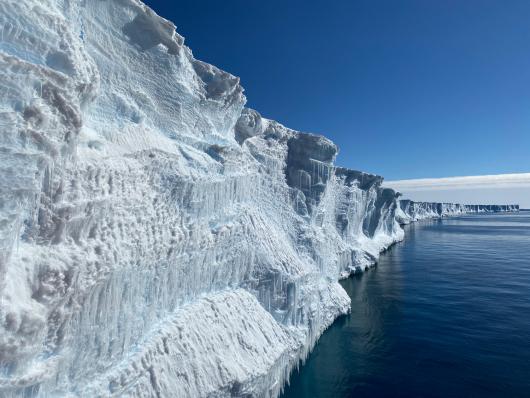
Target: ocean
445	313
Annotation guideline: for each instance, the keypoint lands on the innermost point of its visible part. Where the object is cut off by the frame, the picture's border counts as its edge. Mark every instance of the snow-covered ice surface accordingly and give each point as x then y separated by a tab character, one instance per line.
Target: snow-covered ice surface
158	238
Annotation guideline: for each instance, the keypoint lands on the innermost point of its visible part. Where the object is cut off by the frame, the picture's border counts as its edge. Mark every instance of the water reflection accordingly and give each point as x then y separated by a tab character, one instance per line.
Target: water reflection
445	313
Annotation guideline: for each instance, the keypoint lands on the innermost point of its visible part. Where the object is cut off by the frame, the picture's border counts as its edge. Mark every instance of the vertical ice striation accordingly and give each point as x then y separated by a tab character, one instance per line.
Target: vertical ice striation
157	238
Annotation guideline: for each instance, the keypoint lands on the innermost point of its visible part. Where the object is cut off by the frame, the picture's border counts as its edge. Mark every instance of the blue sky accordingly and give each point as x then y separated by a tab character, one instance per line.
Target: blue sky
407	89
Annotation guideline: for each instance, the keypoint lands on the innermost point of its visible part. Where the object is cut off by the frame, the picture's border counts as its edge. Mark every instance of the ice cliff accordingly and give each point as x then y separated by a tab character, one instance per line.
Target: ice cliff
158	238
409	211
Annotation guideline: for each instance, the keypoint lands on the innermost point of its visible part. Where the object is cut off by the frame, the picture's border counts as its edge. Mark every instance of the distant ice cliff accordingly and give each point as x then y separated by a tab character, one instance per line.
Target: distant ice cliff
410	211
157	237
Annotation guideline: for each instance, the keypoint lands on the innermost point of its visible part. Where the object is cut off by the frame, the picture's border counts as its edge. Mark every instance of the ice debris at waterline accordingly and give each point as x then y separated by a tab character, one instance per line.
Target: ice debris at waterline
158	238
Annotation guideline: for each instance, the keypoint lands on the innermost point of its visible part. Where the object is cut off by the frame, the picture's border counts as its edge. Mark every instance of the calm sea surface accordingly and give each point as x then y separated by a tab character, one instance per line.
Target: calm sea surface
446	313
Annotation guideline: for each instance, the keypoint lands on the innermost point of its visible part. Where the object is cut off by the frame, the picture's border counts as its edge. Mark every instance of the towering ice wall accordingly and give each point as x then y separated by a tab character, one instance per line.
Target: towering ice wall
158	238
491	208
409	211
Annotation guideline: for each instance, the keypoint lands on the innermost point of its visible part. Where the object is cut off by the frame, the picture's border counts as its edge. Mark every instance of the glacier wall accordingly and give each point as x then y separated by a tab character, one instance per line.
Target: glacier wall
410	211
157	237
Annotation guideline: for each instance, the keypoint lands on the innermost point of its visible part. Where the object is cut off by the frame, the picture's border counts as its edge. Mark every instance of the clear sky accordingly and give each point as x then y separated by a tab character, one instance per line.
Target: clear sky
407	89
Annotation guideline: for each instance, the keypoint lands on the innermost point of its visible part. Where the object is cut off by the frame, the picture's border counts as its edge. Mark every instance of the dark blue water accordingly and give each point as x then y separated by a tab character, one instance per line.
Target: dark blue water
446	313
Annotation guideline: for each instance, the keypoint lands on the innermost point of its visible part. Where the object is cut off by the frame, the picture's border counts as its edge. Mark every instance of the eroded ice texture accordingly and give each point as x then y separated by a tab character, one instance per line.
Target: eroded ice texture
157	238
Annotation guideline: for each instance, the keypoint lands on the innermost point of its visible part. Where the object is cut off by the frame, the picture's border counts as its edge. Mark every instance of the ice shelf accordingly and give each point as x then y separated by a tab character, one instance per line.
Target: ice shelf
157	237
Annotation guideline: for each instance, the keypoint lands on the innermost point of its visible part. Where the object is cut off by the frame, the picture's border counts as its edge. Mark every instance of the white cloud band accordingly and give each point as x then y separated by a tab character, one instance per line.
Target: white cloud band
488	189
